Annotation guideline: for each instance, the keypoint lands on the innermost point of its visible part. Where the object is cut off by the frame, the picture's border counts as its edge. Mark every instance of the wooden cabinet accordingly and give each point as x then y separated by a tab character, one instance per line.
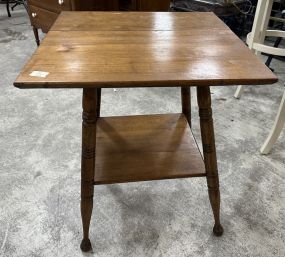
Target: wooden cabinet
43	13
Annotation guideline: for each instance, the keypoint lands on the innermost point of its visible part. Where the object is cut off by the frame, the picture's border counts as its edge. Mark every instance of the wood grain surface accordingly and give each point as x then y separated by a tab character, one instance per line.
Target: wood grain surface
129	49
146	147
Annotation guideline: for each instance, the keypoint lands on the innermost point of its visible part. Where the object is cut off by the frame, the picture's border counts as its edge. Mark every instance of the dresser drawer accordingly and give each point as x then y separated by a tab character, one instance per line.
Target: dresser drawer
41	18
52	5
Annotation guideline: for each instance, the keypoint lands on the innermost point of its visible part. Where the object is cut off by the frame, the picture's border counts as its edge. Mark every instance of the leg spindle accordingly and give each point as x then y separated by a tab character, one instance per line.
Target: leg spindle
209	150
88	162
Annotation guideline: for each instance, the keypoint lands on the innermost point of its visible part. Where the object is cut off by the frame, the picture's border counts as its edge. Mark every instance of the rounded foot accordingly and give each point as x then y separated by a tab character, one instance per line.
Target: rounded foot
218	230
86	245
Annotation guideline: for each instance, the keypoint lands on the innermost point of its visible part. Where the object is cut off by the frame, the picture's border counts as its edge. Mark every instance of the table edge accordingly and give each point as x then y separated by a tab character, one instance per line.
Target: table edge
136	84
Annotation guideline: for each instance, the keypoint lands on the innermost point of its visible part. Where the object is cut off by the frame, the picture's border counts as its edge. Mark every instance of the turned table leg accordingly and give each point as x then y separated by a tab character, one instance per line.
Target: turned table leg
209	150
186	103
88	162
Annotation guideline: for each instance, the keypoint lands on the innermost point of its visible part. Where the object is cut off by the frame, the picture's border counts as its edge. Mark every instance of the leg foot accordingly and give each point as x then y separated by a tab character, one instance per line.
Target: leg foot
85	245
218	230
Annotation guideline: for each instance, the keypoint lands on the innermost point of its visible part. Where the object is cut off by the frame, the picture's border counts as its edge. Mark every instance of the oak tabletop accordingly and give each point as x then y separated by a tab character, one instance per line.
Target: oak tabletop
141	49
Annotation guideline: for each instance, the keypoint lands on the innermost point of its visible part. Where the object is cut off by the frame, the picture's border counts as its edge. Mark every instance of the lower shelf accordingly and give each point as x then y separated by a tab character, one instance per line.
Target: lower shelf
146	147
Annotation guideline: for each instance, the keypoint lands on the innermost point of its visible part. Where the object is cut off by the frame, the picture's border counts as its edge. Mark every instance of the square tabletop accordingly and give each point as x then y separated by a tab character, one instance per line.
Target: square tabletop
135	49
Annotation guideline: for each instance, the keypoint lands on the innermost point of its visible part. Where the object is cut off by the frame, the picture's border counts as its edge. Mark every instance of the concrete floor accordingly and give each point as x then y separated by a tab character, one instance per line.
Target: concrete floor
40	140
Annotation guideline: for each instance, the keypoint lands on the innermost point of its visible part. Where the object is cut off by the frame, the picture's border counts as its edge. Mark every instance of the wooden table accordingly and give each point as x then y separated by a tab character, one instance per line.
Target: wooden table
95	50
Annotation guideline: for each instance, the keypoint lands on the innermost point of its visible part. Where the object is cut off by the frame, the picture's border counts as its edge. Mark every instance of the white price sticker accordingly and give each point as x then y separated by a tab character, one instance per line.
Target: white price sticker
39	74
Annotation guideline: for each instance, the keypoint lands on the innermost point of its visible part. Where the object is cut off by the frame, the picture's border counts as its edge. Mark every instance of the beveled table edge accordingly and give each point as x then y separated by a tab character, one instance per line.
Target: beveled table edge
140	84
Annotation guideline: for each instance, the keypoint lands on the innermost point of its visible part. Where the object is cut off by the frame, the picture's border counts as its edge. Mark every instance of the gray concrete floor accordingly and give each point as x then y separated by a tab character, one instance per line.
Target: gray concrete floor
40	140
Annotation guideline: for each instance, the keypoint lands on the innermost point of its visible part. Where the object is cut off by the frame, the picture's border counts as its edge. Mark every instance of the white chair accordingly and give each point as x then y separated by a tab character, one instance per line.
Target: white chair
276	130
255	41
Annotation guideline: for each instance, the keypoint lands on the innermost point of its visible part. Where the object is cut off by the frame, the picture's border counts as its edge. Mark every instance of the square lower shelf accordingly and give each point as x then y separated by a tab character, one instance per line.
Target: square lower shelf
146	147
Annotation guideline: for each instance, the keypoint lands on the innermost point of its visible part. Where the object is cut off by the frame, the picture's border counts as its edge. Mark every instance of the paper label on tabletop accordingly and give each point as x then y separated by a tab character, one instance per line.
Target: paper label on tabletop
39	74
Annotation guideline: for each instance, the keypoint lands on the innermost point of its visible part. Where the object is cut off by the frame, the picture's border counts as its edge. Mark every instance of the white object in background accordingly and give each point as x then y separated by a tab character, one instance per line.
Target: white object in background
255	39
276	130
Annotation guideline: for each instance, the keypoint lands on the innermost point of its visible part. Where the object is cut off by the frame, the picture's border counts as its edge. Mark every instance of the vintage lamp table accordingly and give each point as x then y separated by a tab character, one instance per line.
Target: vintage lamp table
94	50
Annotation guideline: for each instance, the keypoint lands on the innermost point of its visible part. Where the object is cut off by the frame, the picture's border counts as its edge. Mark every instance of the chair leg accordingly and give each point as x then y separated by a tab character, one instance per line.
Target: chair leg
276	130
16	4
239	92
36	33
270	57
258	31
8	8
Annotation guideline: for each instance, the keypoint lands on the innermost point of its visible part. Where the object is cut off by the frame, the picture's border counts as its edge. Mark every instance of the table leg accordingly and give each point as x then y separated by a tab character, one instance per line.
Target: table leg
36	34
88	162
209	150
99	90
186	103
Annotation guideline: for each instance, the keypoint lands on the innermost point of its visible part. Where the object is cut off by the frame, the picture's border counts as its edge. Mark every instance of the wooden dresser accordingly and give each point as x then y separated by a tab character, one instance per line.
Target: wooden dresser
43	13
